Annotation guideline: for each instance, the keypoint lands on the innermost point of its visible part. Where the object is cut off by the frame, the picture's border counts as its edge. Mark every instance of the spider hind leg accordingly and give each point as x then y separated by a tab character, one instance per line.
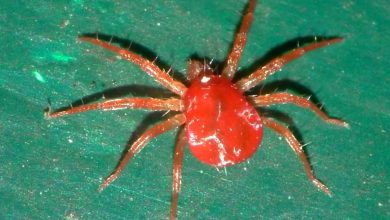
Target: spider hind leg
177	170
140	143
297	148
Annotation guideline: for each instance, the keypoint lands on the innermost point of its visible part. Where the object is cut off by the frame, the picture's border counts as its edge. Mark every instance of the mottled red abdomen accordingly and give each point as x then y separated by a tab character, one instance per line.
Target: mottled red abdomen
222	127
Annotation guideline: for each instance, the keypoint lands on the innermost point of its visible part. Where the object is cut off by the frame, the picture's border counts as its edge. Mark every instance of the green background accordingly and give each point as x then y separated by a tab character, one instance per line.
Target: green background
51	169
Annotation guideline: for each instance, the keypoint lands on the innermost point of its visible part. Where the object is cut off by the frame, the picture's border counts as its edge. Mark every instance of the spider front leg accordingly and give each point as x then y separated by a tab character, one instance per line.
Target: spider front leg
171	104
284	98
297	147
148	66
177	168
239	42
139	144
276	64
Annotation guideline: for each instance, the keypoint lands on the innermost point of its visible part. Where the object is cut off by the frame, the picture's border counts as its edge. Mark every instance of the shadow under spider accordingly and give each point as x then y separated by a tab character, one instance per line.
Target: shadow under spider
150	118
286	119
280	50
139	49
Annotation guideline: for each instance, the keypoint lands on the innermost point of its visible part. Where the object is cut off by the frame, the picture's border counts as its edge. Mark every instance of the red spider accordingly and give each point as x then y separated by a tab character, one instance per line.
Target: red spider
220	125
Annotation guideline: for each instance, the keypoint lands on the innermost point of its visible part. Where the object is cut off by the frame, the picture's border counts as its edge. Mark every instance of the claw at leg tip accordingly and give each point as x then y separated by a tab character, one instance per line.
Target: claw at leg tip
47	113
102	187
327	191
340	123
344	124
321	186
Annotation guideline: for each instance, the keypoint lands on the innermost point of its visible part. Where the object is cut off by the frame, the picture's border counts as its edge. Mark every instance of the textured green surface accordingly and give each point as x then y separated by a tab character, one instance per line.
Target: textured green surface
50	169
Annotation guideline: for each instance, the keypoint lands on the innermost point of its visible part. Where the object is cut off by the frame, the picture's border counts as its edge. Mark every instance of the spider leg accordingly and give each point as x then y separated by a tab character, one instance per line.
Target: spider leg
139	144
148	66
297	148
276	64
177	168
239	42
172	104
284	98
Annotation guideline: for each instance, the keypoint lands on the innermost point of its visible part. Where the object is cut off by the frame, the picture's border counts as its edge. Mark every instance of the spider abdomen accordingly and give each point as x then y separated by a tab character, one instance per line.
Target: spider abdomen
222	127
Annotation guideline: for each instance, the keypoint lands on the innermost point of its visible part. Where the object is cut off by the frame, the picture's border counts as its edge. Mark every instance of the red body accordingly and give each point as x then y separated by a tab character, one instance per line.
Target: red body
222	127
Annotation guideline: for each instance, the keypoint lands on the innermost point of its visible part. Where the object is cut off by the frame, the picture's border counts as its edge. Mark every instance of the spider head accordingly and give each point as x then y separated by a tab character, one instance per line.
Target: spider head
197	68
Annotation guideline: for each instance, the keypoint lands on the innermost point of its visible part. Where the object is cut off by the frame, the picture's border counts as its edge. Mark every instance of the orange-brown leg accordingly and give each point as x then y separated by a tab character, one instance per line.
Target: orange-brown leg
137	146
116	104
239	42
276	64
177	168
195	68
284	98
297	147
148	66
